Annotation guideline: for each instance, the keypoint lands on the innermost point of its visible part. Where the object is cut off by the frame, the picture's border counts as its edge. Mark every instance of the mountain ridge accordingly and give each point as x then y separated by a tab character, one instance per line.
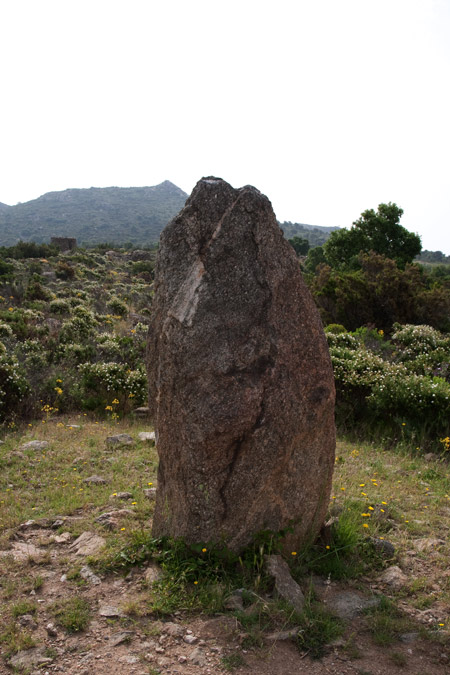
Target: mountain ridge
94	215
116	215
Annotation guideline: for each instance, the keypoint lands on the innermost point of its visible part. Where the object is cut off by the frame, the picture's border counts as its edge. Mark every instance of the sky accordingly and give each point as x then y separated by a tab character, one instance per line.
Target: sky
329	107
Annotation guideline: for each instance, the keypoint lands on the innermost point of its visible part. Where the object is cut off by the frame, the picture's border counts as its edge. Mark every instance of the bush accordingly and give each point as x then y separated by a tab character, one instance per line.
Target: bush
117	306
13	386
59	306
64	271
393	391
103	382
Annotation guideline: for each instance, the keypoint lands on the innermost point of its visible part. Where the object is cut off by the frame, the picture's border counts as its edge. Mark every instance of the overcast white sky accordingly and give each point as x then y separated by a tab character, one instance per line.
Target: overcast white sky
329	107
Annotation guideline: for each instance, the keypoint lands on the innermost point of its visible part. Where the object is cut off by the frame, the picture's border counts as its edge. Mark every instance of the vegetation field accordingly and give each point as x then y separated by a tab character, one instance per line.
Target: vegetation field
73	331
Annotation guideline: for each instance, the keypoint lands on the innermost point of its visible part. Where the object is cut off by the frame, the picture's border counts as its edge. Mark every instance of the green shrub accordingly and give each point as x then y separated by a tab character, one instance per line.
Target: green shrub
64	271
117	306
103	382
59	306
13	386
5	330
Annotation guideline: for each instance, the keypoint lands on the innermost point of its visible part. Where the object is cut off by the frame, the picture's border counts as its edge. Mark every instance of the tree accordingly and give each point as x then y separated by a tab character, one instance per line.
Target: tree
300	245
379	232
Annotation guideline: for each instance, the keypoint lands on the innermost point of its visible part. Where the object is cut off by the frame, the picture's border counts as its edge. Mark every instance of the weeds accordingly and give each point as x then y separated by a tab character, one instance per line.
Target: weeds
23	607
386	622
318	627
232	661
72	614
14	639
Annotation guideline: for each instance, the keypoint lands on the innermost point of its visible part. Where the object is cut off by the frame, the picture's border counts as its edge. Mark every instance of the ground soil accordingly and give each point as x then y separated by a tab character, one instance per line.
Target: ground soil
150	650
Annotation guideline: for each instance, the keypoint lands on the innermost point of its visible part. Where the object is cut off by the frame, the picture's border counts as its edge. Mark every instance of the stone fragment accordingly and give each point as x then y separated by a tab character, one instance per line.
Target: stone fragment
408	637
198	657
29	525
384	547
147	436
129	659
234	602
428	544
95	480
119	638
164	662
28	621
121	495
51	630
153	574
241	388
282	634
348	604
22	551
190	639
285	585
143	411
35	445
119	440
110	612
88	543
57	523
29	658
88	575
111	519
173	629
150	493
62	538
394	577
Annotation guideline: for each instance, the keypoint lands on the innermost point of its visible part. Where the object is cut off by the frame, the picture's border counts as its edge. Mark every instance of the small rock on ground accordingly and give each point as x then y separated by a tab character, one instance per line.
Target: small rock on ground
147	436
88	543
95	480
29	658
118	440
285	585
394	577
35	445
348	604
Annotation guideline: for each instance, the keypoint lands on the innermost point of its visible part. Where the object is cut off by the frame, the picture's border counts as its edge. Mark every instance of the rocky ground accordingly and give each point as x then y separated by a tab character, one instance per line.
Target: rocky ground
105	492
118	640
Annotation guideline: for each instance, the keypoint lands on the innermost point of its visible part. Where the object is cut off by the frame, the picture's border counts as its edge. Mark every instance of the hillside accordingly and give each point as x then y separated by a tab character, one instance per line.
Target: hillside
119	215
115	215
315	234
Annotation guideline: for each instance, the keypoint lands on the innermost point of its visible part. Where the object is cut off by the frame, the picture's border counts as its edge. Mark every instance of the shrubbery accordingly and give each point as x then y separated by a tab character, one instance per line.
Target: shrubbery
83	347
57	350
391	388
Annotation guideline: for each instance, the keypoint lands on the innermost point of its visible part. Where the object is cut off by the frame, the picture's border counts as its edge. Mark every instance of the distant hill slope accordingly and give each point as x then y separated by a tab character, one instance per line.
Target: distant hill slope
114	215
315	234
94	215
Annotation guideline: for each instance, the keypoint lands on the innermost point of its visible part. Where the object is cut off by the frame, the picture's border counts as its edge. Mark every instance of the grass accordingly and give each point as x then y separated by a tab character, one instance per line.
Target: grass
13	639
377	495
231	661
23	607
72	614
318	627
386	623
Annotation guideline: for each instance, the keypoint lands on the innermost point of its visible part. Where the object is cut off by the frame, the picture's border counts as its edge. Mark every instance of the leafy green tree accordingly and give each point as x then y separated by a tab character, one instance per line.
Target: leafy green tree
315	257
378	231
300	245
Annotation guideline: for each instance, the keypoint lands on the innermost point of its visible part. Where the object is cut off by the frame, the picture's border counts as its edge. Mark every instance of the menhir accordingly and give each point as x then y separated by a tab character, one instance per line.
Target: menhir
241	384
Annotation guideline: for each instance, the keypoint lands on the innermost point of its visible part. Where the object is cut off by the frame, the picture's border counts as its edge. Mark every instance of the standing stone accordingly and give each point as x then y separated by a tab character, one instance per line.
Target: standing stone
241	384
